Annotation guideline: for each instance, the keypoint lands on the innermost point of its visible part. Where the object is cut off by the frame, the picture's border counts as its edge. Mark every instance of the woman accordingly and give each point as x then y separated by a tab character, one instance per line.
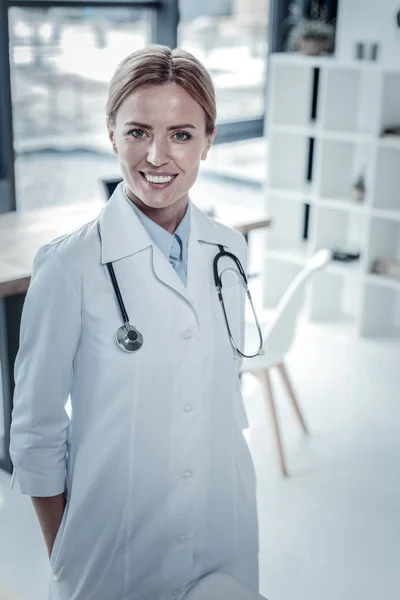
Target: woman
150	485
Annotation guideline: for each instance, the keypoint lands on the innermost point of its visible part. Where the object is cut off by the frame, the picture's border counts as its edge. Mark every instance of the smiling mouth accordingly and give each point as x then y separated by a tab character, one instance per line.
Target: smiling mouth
158	180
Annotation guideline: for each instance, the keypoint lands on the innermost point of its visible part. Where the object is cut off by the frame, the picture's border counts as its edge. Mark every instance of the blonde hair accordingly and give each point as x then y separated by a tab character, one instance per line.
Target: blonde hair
157	65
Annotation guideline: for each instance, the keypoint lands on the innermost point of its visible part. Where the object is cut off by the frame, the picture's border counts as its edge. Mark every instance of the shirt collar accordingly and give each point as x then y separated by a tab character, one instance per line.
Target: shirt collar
121	237
160	236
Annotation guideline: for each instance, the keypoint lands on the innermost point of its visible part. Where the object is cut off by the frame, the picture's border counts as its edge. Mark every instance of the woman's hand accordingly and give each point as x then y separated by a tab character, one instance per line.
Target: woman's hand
50	513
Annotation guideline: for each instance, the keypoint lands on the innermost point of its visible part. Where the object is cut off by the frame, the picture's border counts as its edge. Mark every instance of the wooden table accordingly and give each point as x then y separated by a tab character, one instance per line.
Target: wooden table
21	236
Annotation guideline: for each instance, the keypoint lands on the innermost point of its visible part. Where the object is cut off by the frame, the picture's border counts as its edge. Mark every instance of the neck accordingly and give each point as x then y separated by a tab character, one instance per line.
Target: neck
167	217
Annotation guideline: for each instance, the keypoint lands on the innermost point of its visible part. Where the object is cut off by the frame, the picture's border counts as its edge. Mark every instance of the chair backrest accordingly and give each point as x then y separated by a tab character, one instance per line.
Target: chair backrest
280	333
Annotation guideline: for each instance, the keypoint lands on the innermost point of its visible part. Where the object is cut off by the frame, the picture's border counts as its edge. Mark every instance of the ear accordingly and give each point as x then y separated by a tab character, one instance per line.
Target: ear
210	140
111	135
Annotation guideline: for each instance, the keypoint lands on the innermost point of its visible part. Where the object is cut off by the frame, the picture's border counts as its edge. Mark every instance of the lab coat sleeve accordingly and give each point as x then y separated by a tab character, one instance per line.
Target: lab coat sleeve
49	335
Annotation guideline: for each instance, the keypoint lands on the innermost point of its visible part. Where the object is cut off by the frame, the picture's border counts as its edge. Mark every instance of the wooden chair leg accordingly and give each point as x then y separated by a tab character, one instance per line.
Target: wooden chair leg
287	383
264	376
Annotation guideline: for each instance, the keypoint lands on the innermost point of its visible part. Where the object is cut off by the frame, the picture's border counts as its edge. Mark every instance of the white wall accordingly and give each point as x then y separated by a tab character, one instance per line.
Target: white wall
370	21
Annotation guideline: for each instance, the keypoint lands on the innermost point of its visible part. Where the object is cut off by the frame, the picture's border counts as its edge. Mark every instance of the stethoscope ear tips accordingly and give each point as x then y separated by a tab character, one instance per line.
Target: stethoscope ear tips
129	338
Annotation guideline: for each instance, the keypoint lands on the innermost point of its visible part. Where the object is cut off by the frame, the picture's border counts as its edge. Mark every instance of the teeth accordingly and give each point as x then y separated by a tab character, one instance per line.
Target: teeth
153	179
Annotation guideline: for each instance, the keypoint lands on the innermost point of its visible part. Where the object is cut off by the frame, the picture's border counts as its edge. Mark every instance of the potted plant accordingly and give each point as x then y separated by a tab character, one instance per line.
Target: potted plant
311	34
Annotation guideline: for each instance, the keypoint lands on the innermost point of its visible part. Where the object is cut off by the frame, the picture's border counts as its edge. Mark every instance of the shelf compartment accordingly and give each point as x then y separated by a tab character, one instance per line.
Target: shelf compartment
383	280
297	255
291	95
288	225
389	214
390	105
390	141
340	230
288	161
384	240
277	276
351	97
334	299
387	180
381	313
349	269
340	165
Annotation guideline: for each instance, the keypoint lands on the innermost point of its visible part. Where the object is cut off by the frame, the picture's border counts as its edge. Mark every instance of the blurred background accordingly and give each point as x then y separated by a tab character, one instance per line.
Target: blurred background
62	59
306	158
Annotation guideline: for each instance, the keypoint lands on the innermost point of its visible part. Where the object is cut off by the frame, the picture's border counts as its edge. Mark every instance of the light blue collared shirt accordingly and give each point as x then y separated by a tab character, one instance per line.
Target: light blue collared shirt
174	246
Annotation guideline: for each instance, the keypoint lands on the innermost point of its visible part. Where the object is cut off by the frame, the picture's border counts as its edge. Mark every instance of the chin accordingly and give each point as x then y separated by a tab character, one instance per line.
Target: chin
161	201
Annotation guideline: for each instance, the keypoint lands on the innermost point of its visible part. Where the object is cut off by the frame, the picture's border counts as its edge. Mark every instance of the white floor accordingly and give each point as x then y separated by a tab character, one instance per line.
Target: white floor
331	531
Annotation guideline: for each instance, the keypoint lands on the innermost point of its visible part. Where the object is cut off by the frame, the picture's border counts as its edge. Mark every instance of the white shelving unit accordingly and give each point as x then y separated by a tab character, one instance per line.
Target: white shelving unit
325	120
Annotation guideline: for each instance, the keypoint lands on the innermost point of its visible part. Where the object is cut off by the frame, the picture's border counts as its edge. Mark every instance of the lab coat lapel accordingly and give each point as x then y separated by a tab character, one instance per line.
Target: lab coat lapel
121	232
122	235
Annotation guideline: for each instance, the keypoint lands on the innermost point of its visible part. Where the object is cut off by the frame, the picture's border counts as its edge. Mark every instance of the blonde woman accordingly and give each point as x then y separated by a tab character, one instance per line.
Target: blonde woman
149	486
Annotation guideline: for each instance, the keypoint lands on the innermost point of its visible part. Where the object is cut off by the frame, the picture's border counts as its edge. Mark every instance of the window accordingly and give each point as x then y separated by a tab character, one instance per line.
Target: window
230	38
61	62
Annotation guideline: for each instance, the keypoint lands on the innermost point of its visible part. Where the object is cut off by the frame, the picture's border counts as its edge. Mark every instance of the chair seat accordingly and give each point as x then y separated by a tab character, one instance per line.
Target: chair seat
221	586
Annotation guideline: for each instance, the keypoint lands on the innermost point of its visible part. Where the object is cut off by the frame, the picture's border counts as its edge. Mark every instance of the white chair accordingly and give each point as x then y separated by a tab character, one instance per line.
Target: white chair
278	337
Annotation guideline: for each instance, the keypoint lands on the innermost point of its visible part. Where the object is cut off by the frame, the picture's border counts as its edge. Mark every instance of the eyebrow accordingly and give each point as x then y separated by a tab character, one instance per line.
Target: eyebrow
144	126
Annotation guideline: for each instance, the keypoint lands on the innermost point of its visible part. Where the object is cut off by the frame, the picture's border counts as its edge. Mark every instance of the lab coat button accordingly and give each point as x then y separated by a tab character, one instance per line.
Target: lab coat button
187	474
188	335
189	408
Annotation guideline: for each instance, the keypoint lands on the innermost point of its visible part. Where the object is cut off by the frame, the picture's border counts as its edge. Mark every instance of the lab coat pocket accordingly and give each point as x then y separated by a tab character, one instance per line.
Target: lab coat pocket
58	542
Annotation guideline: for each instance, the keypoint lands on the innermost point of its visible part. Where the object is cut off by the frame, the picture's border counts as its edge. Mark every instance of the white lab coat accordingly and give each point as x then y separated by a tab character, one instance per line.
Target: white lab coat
160	482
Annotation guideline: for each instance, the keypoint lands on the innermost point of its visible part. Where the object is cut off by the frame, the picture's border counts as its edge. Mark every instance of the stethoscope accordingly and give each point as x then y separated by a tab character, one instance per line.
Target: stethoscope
130	339
219	287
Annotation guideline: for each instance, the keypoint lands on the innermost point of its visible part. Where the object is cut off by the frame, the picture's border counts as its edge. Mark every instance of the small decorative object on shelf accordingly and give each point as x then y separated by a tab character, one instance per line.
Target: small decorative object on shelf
344	256
359	188
359	47
364	50
393	130
310	34
374	49
386	266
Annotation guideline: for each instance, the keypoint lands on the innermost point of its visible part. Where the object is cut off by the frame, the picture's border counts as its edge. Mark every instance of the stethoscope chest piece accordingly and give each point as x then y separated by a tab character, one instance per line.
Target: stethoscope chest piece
129	338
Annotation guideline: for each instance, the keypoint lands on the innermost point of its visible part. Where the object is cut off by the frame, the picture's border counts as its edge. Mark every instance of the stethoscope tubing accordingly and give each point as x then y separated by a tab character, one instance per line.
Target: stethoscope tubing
124	342
218	284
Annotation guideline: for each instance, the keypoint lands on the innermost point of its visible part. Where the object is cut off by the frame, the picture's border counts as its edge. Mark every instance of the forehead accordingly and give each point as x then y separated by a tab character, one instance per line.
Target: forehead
167	104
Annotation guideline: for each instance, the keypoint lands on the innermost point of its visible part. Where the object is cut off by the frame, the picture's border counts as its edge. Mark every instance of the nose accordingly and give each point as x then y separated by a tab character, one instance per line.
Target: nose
158	153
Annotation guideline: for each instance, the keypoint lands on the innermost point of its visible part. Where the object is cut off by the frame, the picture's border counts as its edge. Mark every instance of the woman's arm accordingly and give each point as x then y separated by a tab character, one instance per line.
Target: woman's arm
49	512
50	332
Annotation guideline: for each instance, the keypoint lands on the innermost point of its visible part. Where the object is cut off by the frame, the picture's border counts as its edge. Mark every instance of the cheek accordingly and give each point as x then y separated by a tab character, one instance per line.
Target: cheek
188	159
130	153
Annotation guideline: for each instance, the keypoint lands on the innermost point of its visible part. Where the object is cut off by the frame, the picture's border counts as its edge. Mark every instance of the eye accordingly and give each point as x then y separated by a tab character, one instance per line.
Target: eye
182	136
137	133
